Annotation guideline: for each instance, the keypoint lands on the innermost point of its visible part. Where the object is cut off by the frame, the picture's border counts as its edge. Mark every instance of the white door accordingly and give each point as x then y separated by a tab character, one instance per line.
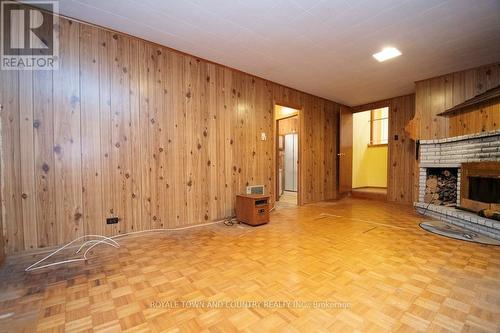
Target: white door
291	159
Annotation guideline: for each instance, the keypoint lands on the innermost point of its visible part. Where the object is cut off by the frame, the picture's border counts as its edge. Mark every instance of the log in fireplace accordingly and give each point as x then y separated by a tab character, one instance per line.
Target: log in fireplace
441	186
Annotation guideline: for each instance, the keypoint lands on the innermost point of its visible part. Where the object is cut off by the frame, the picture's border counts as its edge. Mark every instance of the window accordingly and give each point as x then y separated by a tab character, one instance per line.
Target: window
379	126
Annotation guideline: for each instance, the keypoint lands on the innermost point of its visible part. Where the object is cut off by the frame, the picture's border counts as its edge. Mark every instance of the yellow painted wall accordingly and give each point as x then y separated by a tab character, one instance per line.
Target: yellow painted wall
369	164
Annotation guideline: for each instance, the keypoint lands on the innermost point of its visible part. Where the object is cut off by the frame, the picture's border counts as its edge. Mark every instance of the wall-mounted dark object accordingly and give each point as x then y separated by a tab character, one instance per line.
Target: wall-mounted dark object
112	220
468	105
417	149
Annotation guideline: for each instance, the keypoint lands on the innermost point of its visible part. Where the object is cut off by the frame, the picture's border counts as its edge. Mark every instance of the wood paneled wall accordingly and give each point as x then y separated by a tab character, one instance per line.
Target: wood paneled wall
281	112
2	243
288	125
401	149
437	94
154	136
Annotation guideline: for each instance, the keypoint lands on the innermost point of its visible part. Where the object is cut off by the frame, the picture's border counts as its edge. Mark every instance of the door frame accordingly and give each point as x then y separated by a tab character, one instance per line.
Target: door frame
276	149
373	106
294	162
340	156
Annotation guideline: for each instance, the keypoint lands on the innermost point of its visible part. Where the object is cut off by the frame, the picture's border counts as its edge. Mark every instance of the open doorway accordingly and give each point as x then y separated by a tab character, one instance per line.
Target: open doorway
369	153
287	155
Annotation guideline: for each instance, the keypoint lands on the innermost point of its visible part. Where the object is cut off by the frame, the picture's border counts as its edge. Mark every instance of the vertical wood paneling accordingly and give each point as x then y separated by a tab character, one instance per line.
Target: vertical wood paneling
47	228
135	136
120	130
218	134
437	126
166	152
11	156
28	203
194	143
67	136
143	136
11	162
202	168
158	138
91	130
228	130
2	235
401	157
210	133
179	143
165	176
108	192
329	151
437	94
155	168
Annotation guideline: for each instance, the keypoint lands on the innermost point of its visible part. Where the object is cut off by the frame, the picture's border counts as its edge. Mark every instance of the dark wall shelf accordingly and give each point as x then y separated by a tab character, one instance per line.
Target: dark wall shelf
488	95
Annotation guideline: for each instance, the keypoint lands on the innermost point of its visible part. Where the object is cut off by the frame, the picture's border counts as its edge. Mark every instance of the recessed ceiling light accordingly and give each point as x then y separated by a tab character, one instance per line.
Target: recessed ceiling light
387	53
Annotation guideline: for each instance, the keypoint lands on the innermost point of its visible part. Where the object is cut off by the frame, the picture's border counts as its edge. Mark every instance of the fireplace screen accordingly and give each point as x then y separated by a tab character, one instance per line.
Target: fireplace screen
484	189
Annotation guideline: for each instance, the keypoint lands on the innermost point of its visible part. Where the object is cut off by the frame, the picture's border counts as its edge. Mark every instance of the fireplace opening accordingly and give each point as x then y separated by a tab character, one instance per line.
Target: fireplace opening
484	189
480	188
441	186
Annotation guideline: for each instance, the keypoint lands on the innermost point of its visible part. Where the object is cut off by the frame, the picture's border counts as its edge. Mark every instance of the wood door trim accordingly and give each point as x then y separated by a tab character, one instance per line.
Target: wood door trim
289	105
276	152
378	105
345	144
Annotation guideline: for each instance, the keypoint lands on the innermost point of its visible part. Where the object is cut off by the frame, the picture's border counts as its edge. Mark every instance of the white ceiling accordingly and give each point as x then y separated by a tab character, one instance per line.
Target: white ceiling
323	47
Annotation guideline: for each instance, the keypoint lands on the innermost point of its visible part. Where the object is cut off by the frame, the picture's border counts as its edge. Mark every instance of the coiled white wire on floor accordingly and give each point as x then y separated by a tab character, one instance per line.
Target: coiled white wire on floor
101	240
111	242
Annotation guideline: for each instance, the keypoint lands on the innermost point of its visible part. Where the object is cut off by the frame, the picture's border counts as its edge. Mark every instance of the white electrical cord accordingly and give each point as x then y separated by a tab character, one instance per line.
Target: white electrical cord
108	241
102	240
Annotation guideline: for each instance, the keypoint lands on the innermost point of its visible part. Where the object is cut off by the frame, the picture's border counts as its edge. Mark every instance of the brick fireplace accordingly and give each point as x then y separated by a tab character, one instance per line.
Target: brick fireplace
442	166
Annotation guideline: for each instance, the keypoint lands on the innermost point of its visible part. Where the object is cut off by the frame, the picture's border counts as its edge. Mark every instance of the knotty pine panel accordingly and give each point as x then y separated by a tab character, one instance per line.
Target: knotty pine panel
11	188
401	151
156	137
27	159
67	135
90	130
2	242
437	94
288	125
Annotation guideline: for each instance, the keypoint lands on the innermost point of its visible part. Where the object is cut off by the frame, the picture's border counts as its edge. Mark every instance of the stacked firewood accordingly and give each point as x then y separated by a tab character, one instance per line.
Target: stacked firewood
441	189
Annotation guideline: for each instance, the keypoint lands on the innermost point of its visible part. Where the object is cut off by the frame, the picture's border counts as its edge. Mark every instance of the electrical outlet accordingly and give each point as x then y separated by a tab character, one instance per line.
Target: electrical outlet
112	220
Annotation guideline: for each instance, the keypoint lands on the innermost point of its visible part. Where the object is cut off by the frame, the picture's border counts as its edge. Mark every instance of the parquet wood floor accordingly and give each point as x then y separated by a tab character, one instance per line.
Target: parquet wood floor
375	193
287	199
391	275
